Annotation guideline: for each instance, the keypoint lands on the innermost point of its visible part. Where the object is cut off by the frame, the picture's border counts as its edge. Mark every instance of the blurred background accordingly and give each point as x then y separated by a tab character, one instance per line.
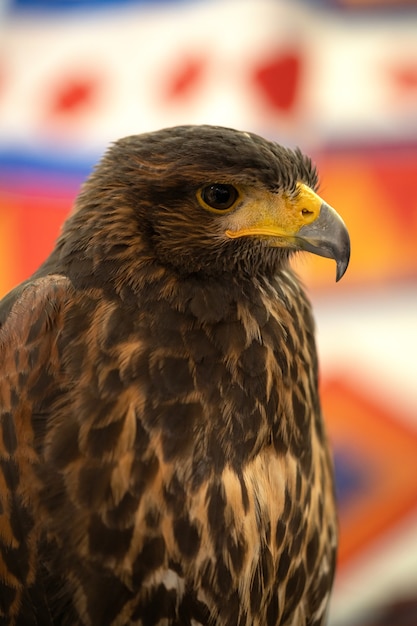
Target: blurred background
338	79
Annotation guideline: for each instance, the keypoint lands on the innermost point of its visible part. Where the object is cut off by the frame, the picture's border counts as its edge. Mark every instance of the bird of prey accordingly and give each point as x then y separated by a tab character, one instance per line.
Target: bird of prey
163	458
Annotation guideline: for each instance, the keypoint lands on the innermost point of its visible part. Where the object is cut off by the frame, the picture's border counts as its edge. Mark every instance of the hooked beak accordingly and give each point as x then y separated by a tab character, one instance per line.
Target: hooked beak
301	222
327	236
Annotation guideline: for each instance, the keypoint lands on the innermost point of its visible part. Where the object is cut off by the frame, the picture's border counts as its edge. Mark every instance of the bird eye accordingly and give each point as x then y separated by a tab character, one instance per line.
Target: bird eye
219	196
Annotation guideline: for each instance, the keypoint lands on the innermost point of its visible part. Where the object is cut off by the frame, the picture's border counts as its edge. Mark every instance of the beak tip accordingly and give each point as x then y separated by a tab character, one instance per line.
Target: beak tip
341	266
339	274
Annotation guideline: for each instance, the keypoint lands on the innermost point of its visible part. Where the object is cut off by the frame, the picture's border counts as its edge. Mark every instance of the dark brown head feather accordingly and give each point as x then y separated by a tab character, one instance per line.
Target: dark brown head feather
139	206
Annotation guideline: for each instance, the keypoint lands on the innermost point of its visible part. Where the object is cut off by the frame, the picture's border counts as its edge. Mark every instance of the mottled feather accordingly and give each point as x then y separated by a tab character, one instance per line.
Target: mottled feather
163	458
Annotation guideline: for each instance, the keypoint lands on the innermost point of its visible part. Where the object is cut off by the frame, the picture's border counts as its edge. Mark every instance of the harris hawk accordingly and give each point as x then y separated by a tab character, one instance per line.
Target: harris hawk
163	458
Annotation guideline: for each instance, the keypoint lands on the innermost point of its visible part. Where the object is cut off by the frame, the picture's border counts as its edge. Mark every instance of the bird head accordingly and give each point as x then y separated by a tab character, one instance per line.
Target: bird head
209	199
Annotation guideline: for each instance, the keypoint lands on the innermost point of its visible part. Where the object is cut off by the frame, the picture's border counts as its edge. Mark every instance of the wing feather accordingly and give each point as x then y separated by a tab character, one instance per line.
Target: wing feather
29	323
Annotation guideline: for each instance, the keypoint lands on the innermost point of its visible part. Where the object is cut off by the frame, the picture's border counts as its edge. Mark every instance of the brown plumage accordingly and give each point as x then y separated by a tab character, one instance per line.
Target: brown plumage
163	458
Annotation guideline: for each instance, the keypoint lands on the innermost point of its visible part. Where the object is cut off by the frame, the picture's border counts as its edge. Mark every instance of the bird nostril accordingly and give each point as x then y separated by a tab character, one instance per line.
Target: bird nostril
306	212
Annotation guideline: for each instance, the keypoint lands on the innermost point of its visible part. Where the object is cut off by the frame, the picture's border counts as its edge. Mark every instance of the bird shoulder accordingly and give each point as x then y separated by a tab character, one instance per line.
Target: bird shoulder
29	318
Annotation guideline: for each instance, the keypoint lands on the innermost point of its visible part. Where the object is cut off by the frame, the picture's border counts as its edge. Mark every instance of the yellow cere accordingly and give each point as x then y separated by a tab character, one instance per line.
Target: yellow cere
275	215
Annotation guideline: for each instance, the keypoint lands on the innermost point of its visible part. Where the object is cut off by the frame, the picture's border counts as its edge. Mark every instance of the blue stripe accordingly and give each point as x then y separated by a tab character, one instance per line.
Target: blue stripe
58	163
20	167
50	6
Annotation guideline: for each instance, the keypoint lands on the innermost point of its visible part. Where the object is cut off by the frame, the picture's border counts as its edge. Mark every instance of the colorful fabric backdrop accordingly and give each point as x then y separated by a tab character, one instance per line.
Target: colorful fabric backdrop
339	79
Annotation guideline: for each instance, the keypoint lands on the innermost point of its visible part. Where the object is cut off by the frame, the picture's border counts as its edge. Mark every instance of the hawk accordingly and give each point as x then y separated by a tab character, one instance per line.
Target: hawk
163	458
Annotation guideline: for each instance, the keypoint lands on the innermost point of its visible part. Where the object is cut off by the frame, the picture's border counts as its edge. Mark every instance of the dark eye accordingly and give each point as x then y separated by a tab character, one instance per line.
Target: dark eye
219	196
